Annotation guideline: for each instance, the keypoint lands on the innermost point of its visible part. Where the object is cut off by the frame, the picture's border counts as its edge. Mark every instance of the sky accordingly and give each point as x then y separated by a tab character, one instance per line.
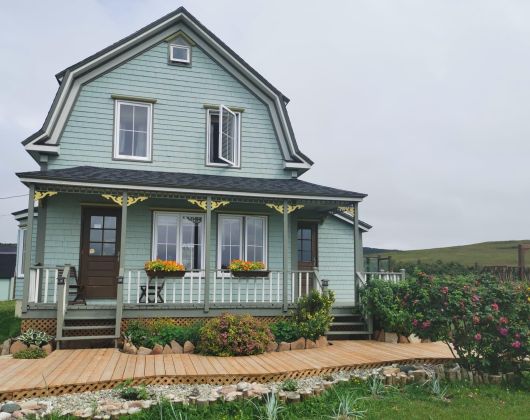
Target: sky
423	105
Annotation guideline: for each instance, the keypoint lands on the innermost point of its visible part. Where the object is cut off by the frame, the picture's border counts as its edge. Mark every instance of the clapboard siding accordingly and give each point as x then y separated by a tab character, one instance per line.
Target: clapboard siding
19	281
335	255
179	118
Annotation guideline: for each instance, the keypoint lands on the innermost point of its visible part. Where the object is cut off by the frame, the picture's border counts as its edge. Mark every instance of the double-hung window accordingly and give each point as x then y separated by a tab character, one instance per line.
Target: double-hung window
132	131
223	137
21	242
241	237
179	237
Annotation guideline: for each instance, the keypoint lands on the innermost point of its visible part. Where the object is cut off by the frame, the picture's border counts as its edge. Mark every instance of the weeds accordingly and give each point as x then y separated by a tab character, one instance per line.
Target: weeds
347	407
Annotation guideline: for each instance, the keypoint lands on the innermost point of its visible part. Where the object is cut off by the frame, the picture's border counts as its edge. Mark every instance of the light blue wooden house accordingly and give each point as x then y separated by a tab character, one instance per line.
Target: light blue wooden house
168	145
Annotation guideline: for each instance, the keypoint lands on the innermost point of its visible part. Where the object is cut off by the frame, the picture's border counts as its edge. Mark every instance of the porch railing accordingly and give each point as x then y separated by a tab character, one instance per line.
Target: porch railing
225	289
393	277
43	284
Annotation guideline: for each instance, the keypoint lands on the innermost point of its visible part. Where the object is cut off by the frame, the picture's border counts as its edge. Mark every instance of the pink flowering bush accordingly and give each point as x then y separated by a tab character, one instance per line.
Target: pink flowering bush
234	335
485	320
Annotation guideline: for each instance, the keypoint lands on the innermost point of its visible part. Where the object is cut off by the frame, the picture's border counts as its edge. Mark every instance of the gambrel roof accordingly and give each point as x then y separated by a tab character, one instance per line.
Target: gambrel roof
46	140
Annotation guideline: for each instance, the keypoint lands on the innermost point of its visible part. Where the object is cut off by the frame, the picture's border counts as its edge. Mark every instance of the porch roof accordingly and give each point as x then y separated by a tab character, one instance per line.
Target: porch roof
185	182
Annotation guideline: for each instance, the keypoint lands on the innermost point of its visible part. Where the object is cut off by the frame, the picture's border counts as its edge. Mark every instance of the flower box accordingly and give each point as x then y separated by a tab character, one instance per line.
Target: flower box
250	273
163	274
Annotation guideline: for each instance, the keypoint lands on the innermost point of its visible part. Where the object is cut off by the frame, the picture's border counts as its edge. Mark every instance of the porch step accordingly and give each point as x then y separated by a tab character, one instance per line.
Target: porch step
348	324
87	327
90	337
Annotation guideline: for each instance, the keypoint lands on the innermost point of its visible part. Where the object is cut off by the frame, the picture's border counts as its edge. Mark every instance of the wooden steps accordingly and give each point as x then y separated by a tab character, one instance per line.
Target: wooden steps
348	324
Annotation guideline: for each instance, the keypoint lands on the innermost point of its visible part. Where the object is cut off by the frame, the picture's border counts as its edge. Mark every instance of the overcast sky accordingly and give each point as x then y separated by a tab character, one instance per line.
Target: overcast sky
423	105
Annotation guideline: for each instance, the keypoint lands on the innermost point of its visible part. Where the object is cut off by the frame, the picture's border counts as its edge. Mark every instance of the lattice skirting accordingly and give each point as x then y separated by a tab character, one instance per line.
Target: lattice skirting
197	379
49	326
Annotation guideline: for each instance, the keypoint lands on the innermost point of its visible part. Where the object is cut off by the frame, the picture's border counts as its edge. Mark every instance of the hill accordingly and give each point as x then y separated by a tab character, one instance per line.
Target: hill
485	253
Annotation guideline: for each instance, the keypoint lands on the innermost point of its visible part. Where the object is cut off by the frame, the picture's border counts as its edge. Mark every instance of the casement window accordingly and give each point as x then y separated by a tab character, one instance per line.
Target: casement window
241	237
179	237
179	53
21	241
132	131
223	137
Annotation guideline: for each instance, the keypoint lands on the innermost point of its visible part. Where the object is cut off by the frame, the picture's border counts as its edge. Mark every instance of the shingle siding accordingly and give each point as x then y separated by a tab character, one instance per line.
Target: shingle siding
179	118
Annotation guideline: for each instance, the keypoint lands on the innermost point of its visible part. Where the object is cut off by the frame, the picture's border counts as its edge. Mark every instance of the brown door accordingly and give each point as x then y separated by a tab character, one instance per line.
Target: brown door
307	246
100	244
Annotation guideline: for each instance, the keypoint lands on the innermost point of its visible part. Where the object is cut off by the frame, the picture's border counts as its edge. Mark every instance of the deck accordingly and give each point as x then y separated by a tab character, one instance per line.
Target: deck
68	371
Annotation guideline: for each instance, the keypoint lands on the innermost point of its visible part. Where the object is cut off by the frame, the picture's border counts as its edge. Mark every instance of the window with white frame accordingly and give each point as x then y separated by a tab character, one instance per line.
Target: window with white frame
21	240
223	137
241	237
179	53
179	237
132	131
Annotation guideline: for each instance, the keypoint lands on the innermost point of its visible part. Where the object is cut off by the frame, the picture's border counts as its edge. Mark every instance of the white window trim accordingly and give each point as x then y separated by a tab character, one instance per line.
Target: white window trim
178	60
238	140
243	239
20	251
116	145
180	215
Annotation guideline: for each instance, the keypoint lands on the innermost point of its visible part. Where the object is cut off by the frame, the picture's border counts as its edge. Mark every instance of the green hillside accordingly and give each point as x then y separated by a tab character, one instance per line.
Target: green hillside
485	253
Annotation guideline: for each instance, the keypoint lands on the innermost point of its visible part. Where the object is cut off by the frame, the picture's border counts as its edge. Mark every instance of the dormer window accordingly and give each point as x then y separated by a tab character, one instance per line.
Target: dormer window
179	54
223	137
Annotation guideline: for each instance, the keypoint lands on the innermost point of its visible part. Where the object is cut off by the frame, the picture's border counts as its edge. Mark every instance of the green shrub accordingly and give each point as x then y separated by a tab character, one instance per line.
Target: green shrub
234	335
148	332
285	330
312	314
131	393
38	338
33	353
384	301
289	385
9	323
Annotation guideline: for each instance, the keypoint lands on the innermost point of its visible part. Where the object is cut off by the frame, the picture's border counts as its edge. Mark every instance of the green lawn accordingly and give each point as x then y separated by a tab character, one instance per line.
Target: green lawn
9	324
486	253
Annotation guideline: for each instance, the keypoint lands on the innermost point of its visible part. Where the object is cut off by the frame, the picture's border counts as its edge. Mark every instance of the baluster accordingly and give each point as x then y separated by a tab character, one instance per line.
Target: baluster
307	283
138	286
299	285
199	289
175	287
182	289
222	288
156	290
262	289
214	286
191	287
293	286
165	288
55	286
146	290
278	287
255	294
46	274
246	288
270	287
231	292
239	291
129	287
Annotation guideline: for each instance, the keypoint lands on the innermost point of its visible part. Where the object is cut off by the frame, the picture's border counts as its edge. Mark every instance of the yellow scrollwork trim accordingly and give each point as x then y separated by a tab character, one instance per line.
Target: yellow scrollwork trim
39	195
290	208
347	209
118	199
203	203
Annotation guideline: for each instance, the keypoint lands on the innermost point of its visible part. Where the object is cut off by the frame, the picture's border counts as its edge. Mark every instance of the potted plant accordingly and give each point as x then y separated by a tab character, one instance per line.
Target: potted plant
240	268
164	268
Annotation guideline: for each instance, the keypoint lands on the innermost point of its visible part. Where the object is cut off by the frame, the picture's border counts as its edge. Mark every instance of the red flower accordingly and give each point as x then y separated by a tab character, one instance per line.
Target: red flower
495	307
503	320
425	324
517	335
475	298
444	290
415	322
516	344
478	337
503	331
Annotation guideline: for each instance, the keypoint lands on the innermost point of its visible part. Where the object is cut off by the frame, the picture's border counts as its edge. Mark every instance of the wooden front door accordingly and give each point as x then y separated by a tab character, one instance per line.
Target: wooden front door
100	245
307	252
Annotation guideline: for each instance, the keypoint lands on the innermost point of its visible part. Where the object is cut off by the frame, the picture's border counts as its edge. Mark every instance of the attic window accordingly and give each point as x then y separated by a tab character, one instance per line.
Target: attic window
223	137
179	54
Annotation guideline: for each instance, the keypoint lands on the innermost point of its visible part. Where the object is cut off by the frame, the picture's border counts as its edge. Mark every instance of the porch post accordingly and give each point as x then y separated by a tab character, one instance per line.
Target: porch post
207	268
357	253
27	240
285	255
121	272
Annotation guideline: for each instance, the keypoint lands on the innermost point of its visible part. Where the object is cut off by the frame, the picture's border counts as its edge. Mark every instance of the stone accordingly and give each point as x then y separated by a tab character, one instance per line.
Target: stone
5	416
133	410
327	384
298	344
425	340
242	386
381	336
495	379
34	346
414	339
272	346
47	348
232	396
18	415
322	341
189	347
283	346
6	345
419	375
391	338
176	348
391	370
167	350
143	351
310	344
225	390
30	405
293	397
305	394
17	346
157	349
10	408
403	339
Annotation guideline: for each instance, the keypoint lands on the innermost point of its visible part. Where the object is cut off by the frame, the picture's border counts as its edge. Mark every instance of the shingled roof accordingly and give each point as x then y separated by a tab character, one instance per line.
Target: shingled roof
136	179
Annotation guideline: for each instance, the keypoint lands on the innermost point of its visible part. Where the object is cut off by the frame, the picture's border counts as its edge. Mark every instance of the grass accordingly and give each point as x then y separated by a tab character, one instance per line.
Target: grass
485	253
9	324
353	400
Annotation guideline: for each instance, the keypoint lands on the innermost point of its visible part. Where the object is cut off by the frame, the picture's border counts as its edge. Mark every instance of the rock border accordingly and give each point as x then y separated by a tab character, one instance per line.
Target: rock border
12	346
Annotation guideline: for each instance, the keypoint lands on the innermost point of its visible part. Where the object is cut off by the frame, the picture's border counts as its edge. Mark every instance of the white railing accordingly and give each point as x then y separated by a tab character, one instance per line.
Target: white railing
225	289
43	284
392	277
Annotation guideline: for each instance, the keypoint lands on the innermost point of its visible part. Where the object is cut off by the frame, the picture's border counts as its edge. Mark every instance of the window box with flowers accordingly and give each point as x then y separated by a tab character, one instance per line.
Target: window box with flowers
240	268
164	268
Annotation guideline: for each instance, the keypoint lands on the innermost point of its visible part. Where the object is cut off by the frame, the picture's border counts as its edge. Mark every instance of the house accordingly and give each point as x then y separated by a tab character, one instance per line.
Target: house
168	145
8	253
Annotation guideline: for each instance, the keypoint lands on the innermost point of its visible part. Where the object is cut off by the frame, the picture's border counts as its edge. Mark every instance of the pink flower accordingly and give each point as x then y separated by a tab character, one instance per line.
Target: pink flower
444	290
517	335
516	344
478	337
495	307
475	298
503	320
425	324
503	331
415	322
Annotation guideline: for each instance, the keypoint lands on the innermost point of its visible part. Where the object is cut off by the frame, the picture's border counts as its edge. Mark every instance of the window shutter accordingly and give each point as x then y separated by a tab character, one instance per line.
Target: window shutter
227	135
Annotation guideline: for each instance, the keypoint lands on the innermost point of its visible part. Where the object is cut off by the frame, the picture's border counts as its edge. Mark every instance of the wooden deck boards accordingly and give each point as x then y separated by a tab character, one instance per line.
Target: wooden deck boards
91	369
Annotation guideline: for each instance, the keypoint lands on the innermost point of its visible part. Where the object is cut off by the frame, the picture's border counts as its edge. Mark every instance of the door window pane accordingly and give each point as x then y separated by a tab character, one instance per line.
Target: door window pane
95	249
96	222
110	222
109	235
109	249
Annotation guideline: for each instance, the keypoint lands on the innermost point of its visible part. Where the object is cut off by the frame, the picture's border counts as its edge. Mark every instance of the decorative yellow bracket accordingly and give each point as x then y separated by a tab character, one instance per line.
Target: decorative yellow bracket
290	208
118	199
347	209
39	195
203	203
